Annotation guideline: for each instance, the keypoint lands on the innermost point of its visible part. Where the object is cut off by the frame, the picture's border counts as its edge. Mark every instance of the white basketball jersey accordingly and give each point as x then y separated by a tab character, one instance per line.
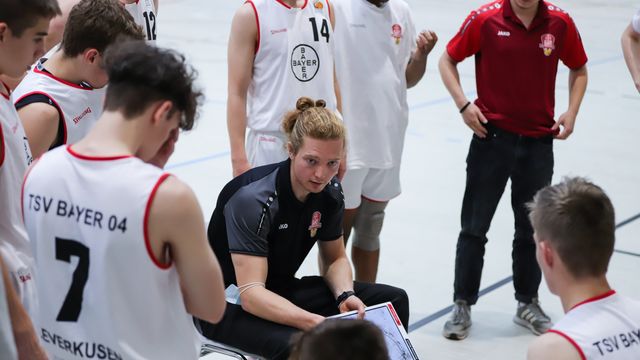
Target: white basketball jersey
101	290
605	327
14	243
144	13
81	106
374	92
294	58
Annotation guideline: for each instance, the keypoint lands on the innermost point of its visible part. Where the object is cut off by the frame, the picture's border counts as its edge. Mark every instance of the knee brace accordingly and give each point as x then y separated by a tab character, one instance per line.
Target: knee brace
368	225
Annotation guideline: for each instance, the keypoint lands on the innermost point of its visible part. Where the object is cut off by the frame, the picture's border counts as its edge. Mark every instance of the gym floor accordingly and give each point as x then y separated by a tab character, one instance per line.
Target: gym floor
422	224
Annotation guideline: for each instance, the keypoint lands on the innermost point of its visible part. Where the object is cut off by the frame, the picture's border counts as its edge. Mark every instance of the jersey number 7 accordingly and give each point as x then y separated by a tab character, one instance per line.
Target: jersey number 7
72	305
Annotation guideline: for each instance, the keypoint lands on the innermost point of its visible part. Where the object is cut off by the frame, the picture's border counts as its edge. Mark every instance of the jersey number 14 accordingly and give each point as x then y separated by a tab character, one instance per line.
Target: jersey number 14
324	29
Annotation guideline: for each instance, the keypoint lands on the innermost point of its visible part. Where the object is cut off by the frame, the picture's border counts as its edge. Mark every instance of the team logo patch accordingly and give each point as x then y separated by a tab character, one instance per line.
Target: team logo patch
23	274
396	32
315	223
318	5
547	44
305	62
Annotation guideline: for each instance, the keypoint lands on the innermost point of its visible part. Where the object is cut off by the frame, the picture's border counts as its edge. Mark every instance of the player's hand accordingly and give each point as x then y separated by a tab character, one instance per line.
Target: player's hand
353	303
166	150
425	42
474	119
567	121
240	166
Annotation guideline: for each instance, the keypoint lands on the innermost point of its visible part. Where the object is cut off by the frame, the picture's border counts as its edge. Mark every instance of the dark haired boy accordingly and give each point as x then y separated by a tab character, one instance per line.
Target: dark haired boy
144	263
59	100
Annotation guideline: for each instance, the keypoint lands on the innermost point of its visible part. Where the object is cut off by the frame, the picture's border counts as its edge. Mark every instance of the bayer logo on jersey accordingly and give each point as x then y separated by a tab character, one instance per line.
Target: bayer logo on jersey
304	62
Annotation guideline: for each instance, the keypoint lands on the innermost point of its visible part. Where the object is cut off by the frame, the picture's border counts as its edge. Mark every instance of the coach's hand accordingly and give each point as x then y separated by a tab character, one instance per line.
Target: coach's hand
352	303
567	121
474	119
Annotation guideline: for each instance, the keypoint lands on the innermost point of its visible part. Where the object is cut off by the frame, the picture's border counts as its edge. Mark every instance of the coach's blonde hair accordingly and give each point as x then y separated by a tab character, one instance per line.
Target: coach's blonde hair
312	119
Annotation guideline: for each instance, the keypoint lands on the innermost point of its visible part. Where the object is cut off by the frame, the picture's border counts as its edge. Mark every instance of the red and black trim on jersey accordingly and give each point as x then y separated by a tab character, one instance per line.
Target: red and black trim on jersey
571	341
567	337
96	158
42	97
39	69
255	12
8	98
595	298
147	211
289	6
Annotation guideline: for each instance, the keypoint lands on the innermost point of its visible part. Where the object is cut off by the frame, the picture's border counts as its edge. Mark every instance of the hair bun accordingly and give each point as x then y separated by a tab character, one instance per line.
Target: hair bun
304	103
321	103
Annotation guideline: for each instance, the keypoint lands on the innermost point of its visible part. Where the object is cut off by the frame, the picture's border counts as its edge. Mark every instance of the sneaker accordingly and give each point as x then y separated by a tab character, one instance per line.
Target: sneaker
532	317
457	327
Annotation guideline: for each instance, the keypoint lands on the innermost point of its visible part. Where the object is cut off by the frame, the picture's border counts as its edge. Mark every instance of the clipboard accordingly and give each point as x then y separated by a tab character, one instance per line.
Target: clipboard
384	316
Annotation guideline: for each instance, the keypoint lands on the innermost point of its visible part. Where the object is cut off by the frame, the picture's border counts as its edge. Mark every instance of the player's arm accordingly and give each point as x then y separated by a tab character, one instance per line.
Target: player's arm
631	50
337	273
41	122
552	346
240	56
176	224
472	115
577	87
24	335
251	273
425	42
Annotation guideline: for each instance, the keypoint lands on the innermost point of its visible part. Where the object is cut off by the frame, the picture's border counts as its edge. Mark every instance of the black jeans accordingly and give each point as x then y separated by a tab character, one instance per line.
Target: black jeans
270	340
501	156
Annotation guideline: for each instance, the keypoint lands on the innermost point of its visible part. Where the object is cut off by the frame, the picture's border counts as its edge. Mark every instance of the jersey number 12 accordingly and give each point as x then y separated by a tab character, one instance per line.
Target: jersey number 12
150	20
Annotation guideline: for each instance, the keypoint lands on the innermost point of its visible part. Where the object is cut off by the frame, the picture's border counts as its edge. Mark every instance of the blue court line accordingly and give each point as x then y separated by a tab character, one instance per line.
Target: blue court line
626	253
629	220
413	107
198	160
420	323
440	313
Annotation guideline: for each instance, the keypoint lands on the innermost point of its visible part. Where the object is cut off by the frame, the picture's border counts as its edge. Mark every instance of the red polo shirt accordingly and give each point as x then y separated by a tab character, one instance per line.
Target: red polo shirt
516	67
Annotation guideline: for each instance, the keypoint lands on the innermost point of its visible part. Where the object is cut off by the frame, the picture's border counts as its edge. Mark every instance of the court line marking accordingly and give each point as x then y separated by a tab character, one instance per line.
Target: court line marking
440	313
413	107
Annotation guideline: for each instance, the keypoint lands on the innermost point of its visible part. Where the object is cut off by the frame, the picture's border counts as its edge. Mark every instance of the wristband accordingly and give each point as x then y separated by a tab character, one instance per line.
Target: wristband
342	297
462	109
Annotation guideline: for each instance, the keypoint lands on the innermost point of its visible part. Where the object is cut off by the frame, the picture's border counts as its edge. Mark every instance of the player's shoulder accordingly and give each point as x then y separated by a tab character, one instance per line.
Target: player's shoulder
557	12
248	9
333	191
172	196
251	187
552	345
488	10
